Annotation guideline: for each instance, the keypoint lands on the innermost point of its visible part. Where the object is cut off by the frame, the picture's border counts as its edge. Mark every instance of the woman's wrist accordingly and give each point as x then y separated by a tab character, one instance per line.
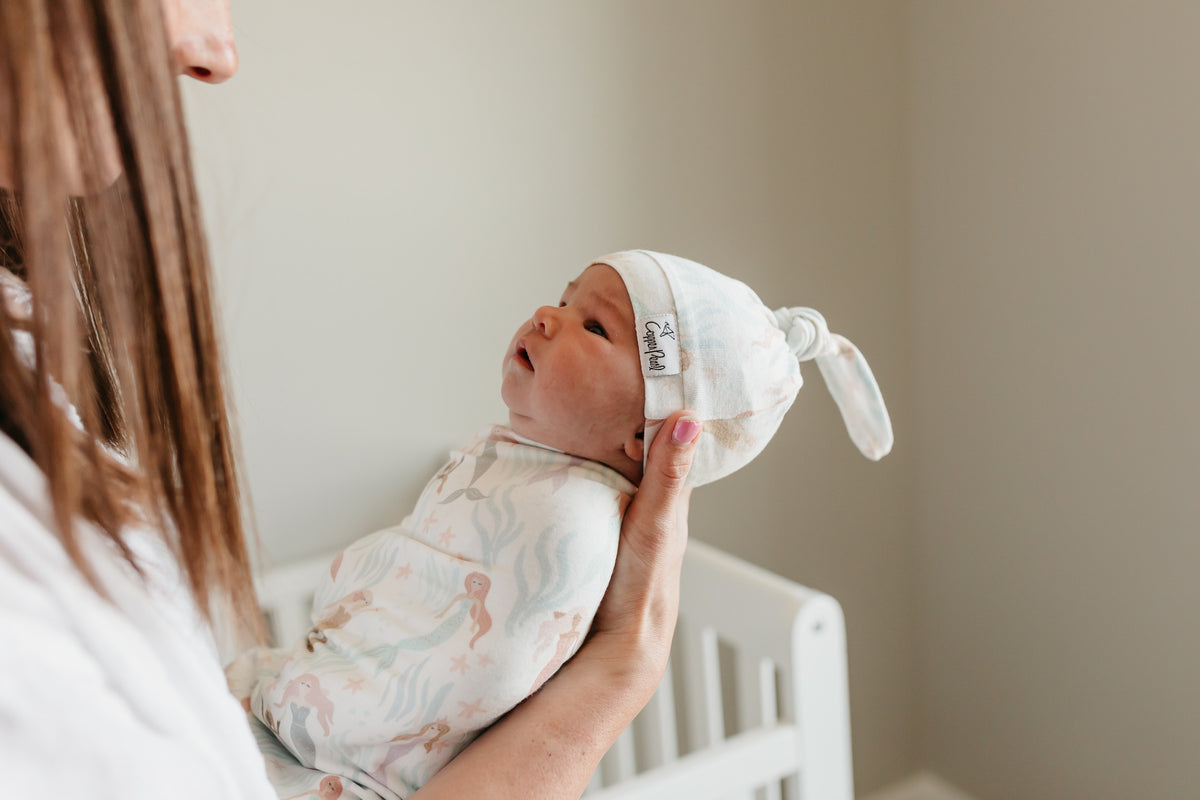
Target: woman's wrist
638	637
548	746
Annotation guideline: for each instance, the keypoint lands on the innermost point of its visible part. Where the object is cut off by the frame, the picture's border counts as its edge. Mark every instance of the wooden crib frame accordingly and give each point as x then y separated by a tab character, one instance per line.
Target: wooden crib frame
755	704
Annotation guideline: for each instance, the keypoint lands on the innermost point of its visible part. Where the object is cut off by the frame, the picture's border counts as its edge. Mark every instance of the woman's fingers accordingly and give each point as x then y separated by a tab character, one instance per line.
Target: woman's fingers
652	522
643	596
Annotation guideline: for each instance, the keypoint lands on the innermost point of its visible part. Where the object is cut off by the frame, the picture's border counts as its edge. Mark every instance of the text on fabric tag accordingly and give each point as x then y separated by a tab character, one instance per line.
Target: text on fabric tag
658	342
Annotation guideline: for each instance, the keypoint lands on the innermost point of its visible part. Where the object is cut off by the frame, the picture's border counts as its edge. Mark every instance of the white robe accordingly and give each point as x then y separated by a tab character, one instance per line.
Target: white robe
122	700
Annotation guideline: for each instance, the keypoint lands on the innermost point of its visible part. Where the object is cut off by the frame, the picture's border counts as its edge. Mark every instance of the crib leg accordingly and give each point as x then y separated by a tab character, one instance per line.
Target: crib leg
822	706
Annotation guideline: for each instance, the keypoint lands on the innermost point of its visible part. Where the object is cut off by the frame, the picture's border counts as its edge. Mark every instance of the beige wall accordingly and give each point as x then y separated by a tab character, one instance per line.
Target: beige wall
812	507
997	201
392	187
1055	180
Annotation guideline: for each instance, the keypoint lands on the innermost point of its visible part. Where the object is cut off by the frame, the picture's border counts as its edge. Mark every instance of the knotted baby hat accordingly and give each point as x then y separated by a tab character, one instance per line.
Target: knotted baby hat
708	344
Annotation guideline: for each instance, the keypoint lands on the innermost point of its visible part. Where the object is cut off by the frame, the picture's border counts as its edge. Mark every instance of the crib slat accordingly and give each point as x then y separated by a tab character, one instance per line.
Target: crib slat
595	784
702	692
618	763
758	706
621	758
711	675
658	739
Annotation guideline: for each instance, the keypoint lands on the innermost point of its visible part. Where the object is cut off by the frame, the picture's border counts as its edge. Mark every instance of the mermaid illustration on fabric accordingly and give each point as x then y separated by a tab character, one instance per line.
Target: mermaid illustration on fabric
307	690
477	585
485	460
470	602
562	632
429	736
330	788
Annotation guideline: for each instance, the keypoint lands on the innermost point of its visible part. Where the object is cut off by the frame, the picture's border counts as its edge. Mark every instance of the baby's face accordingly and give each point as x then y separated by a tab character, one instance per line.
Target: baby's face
572	378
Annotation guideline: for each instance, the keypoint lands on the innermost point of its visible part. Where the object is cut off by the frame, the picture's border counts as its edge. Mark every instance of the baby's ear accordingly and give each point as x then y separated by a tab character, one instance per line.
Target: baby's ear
635	445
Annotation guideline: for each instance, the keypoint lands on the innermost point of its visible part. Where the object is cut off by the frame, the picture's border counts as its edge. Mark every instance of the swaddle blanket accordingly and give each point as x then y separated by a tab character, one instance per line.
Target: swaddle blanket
427	632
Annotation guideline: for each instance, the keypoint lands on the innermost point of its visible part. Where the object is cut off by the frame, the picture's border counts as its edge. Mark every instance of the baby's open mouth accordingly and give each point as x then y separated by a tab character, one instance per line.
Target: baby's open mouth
522	355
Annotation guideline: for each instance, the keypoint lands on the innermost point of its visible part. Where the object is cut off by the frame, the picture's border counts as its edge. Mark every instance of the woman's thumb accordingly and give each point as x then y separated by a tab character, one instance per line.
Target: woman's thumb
670	457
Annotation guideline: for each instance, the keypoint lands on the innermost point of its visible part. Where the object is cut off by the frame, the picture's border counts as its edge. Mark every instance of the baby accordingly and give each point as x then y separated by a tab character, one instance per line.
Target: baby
426	633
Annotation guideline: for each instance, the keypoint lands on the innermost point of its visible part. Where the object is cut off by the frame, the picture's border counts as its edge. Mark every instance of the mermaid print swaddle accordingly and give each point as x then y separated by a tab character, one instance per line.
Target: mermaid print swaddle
426	633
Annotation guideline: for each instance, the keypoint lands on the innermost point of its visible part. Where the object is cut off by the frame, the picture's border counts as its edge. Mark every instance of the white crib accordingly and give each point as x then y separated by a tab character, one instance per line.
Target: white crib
755	705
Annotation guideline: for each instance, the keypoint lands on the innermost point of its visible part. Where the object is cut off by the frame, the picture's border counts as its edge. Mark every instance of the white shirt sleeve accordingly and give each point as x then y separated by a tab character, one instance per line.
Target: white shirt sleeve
123	699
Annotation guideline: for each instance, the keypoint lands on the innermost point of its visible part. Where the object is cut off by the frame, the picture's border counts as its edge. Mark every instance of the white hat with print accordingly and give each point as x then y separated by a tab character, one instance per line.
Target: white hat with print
709	344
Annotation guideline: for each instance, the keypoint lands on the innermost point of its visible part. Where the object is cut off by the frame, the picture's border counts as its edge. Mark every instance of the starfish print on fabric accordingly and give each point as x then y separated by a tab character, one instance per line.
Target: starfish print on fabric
471	709
485	660
460	664
445	538
432	518
354	685
404	572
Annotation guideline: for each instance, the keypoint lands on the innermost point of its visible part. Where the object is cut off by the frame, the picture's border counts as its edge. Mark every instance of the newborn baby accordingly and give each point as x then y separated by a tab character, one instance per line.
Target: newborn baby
425	633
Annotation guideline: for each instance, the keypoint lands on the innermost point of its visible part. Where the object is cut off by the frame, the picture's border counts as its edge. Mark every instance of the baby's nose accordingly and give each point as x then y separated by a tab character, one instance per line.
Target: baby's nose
545	320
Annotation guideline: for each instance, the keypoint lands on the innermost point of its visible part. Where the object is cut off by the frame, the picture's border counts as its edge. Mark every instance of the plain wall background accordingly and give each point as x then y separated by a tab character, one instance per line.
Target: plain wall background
996	201
1055	179
393	187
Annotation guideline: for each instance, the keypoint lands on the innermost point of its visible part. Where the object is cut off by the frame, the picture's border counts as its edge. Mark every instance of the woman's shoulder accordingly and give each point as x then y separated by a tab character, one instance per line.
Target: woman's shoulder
102	678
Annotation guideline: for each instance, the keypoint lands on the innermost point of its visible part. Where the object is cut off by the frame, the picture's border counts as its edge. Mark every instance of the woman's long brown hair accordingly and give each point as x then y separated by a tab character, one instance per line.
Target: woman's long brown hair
120	279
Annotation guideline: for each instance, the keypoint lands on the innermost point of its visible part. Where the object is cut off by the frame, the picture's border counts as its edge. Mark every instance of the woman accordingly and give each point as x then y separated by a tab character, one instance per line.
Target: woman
120	528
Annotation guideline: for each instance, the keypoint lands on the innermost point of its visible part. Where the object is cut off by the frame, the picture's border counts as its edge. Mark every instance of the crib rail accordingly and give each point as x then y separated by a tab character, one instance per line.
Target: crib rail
755	703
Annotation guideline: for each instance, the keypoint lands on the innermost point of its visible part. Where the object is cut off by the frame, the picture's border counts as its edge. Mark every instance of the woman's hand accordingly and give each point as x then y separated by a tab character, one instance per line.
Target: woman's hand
548	747
637	617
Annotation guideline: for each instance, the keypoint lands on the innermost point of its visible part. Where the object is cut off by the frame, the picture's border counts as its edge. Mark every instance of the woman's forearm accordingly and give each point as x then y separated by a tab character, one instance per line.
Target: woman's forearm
548	747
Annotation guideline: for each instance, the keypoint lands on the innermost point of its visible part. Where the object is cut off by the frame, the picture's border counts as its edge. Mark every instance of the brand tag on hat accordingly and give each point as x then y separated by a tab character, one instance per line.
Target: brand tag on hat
658	342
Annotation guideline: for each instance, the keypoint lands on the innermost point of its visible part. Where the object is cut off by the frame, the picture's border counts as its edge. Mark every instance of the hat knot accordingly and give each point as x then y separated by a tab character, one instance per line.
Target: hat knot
808	335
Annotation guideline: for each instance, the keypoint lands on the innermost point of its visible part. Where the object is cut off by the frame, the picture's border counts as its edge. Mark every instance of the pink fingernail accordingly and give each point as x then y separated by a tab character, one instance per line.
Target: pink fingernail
686	430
